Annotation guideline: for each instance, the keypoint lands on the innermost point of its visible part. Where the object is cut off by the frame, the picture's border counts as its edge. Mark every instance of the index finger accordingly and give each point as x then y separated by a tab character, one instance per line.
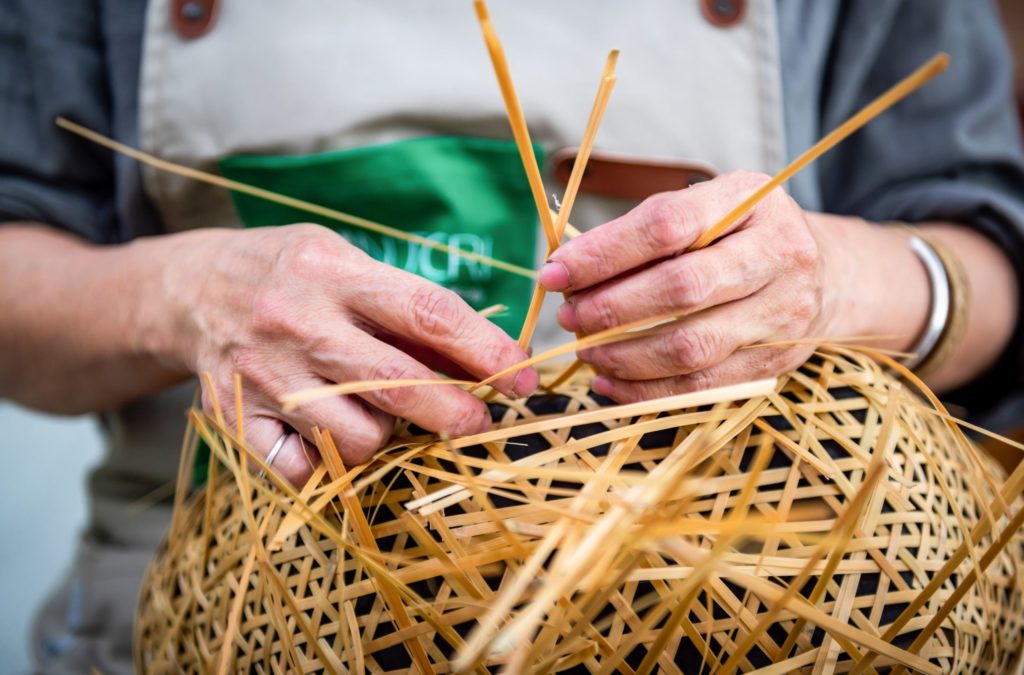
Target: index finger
663	225
659	227
421	311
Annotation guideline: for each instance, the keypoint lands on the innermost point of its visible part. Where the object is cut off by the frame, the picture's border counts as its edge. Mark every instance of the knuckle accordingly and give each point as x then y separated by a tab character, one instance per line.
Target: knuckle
692	350
324	348
700	380
806	308
306	229
591	355
793	238
609	359
271	313
666	219
497	355
803	248
749	181
590	254
434	310
746	178
362	441
596	313
467	414
297	233
757	177
395	398
314	255
689	287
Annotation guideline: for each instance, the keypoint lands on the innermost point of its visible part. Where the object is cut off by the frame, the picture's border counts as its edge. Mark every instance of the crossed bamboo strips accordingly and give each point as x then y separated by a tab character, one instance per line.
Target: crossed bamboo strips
829	521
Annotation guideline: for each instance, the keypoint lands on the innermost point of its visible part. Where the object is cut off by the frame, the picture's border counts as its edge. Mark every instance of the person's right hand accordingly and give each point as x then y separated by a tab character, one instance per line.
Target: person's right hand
294	307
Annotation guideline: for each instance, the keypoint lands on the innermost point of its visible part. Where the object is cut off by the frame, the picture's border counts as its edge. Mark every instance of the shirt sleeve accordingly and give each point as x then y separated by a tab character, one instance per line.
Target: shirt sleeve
52	64
951	151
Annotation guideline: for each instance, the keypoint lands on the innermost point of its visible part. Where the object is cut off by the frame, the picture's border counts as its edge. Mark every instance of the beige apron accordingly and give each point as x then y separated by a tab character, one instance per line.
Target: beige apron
319	75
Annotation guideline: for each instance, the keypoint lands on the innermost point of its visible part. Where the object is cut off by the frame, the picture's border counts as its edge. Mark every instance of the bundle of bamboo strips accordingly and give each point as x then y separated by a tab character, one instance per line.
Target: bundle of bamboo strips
829	521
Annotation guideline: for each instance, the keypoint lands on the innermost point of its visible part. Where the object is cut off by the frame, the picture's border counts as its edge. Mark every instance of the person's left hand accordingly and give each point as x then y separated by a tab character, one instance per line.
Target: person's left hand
767	280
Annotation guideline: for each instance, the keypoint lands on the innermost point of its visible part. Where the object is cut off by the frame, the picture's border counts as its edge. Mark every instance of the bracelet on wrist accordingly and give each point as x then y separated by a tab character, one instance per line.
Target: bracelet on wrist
947	316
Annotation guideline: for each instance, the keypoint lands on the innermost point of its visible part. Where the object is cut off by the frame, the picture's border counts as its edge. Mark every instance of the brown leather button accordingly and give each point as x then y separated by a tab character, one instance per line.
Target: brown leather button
193	18
629	177
723	13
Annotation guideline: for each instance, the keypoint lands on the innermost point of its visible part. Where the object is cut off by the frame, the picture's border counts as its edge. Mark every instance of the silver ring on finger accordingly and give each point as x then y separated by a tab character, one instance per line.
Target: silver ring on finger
272	455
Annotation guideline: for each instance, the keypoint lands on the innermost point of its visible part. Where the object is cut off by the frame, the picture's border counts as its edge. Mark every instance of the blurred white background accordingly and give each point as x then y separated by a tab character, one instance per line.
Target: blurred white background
42	483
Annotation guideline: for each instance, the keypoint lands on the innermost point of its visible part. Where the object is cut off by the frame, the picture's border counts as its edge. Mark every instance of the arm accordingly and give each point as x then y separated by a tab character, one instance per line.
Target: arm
951	153
74	316
86	327
890	292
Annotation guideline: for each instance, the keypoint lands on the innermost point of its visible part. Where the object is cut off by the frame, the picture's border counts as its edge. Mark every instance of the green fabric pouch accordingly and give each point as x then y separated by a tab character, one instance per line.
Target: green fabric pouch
467	193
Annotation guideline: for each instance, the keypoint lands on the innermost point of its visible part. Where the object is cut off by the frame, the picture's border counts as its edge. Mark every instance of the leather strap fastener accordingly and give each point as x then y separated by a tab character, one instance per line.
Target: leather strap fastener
628	176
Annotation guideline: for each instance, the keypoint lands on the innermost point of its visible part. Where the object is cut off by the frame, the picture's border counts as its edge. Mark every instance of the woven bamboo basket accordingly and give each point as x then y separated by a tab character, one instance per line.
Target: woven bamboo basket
834	523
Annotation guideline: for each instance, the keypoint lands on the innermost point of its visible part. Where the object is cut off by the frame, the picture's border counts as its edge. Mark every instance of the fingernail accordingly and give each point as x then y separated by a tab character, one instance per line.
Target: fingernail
568	318
554	276
601	385
525	382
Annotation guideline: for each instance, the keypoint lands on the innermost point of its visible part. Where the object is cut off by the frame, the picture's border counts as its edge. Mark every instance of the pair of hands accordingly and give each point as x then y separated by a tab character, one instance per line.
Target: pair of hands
297	307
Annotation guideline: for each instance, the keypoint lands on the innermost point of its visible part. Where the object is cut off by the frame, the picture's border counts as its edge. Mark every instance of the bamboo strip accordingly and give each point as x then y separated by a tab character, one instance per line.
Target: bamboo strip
520	132
284	200
895	94
604	92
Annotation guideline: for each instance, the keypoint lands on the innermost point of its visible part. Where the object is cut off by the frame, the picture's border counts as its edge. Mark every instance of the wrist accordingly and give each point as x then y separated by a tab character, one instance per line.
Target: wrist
875	286
174	267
